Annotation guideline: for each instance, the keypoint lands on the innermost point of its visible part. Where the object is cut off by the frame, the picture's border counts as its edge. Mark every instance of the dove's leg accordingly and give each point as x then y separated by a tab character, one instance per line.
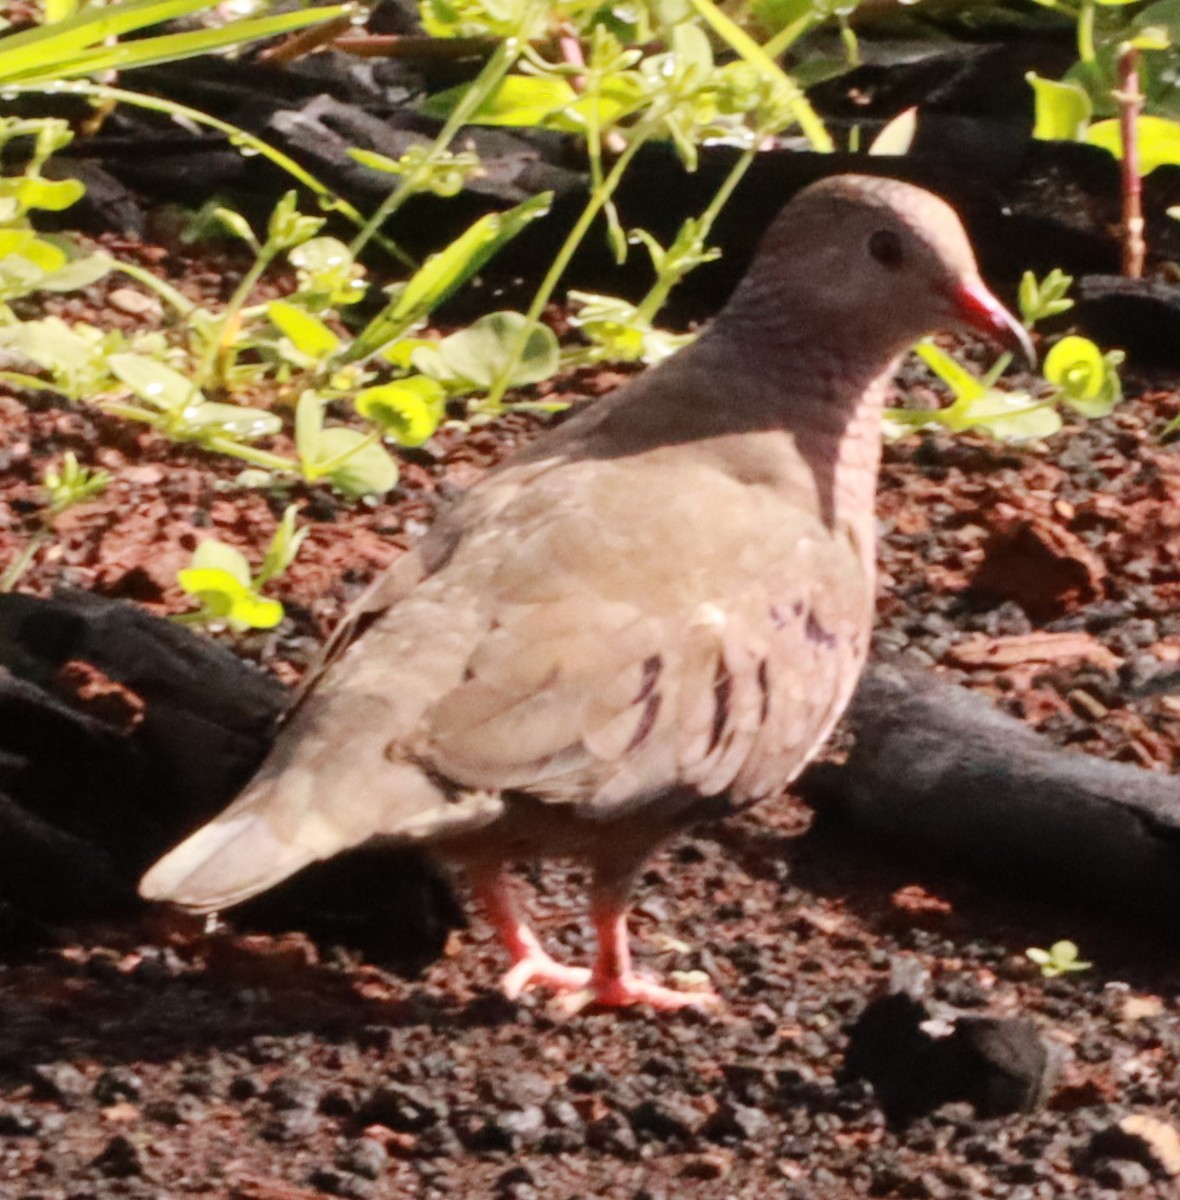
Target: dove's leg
531	965
613	982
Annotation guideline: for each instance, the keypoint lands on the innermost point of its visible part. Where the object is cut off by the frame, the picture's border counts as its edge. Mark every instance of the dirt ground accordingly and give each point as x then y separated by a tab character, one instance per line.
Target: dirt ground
158	1060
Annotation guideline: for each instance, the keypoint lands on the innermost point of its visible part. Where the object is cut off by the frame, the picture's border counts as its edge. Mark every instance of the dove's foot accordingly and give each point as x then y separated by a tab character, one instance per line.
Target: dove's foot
531	965
614	983
537	969
623	990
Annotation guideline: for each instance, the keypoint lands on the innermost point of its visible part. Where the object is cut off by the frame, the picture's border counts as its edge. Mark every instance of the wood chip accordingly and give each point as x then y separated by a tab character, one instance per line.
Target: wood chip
1038	647
1161	1140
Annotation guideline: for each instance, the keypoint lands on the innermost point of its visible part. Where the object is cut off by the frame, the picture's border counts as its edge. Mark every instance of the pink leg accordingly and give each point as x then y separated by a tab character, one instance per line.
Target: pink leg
614	983
530	963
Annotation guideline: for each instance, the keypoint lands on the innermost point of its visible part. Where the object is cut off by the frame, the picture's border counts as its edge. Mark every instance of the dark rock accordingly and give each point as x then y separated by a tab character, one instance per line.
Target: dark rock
404	1109
365	1157
666	1118
1120	1174
998	1065
612	1135
61	1082
117	1084
119	1158
17	1121
739	1121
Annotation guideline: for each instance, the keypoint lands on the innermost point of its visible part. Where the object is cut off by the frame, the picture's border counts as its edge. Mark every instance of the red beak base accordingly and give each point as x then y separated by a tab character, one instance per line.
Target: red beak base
980	311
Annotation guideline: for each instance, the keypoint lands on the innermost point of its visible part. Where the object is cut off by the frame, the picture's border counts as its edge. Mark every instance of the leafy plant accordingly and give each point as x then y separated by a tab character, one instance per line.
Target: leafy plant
219	577
1086	379
1078	374
31	262
1060	959
86	41
64	486
72	484
1041	299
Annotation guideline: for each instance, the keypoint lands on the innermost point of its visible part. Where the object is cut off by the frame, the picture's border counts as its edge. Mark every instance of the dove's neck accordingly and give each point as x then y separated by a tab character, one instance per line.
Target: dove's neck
827	398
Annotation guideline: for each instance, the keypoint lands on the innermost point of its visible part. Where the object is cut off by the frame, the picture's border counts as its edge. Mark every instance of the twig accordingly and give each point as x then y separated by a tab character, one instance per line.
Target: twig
1130	103
305	42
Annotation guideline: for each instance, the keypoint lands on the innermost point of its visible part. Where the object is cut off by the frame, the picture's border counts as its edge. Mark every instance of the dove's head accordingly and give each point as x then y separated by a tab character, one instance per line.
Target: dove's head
871	265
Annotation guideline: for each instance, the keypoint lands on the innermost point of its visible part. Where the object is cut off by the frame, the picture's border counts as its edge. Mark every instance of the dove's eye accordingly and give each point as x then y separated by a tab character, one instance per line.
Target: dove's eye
885	247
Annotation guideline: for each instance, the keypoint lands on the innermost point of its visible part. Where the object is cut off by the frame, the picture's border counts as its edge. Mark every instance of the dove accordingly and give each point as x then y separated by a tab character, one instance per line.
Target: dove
652	616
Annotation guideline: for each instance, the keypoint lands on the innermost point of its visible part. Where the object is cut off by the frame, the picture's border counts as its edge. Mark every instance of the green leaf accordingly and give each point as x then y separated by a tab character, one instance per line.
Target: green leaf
475	356
309	335
407	410
231	420
52	195
84	47
1063	110
1159	141
76	361
217	590
309	424
153	382
1008	416
212	555
519	100
962	383
362	470
898	135
445	272
283	548
1075	364
79	273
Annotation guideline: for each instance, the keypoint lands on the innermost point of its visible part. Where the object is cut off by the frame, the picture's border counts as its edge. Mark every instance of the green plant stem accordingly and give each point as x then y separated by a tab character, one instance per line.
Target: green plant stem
216	343
658	294
789	35
20	380
646	129
1087	50
250	454
23	561
792	94
486	82
172	296
238	137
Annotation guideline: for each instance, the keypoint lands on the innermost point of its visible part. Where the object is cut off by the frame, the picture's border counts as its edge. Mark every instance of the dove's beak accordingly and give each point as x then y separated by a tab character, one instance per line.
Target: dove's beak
979	311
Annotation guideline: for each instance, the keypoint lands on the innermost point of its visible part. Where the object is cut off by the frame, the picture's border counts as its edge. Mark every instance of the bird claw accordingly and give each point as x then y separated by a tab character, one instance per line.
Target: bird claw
627	990
539	970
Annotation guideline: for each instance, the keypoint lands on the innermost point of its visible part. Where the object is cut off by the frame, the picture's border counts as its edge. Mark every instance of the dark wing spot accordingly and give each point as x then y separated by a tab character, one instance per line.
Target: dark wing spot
818	634
722	687
651	672
764	688
651	708
776	615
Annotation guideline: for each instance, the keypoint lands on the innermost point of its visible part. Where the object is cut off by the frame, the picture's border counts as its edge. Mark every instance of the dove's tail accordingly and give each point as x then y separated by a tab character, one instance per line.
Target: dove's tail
234	857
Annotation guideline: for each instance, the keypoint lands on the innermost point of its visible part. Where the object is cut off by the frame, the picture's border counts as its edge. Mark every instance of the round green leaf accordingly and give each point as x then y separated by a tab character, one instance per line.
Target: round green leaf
231	420
1159	141
368	471
1076	366
408	410
255	611
475	356
212	555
